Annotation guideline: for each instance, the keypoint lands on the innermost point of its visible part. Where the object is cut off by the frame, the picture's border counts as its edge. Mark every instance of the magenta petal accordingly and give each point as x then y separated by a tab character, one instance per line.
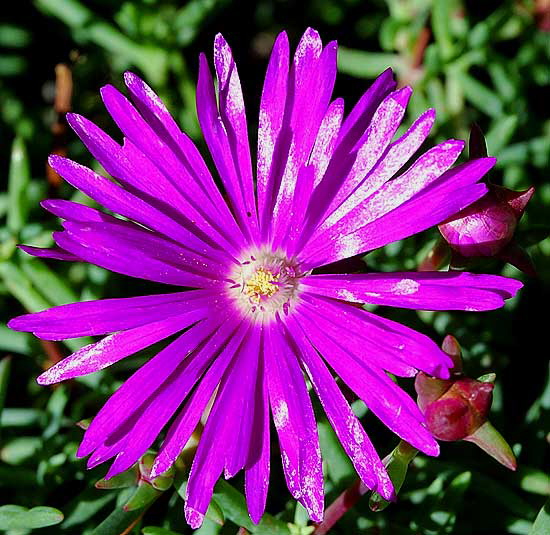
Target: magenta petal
161	405
243	403
295	423
115	347
222	428
176	169
374	141
392	405
387	345
357	122
325	143
350	433
396	156
119	413
270	137
313	73
114	198
142	178
217	136
404	221
233	115
178	434
392	194
256	481
150	257
201	187
421	291
103	316
55	253
73	211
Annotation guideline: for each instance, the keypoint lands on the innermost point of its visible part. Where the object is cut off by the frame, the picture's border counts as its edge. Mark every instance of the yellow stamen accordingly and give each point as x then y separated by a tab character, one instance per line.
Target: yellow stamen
262	284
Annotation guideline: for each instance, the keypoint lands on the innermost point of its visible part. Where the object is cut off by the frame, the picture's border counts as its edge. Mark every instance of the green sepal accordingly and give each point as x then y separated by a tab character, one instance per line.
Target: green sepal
397	464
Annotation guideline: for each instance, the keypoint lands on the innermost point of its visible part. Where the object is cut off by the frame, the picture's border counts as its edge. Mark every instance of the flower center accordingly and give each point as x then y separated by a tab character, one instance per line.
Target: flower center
265	283
262	285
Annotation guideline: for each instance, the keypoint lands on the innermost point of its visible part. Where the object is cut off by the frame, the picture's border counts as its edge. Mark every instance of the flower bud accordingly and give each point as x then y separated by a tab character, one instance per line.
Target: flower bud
458	408
486	227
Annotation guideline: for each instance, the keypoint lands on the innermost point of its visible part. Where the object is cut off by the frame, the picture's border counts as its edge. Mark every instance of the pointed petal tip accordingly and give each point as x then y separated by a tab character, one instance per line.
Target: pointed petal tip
131	78
45	379
194	518
55	159
311	32
219	40
255	517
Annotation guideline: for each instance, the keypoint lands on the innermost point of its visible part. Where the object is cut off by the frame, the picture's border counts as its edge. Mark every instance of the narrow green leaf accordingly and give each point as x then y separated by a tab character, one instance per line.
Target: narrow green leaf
18	180
483	98
21	287
5	365
20	449
367	64
541	525
535	481
18	517
500	133
84	506
233	505
12	36
441	25
54	289
154	530
16	417
144	496
118	521
14	341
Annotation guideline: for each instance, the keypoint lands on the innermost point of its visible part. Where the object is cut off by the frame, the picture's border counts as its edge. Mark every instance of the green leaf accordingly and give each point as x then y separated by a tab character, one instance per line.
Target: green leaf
154	530
84	506
5	365
397	464
21	288
541	525
16	417
500	133
483	98
144	496
20	449
14	36
18	517
53	287
18	181
535	481
233	505
118	521
441	25
367	64
14	341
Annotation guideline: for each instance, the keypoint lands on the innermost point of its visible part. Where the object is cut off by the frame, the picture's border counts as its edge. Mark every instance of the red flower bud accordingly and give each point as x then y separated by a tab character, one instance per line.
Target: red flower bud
486	227
460	411
457	408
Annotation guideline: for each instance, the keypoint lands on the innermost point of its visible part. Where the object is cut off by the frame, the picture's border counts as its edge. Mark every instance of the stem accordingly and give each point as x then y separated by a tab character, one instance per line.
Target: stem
339	507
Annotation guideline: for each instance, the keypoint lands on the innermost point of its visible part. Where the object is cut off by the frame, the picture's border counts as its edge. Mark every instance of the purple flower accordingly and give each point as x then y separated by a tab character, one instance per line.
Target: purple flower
253	316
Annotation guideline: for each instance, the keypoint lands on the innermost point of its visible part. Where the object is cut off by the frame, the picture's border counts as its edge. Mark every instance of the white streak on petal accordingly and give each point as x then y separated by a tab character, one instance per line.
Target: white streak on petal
405	287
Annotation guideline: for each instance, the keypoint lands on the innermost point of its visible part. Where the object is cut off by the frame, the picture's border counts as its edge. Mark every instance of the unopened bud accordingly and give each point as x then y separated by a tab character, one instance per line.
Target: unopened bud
458	408
486	227
460	411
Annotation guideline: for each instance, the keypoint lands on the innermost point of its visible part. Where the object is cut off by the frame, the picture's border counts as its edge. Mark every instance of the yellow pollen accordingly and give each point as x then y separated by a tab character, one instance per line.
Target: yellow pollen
261	285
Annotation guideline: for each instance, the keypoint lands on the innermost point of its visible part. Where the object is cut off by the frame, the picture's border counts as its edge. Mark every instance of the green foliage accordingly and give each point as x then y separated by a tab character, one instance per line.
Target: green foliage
485	62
